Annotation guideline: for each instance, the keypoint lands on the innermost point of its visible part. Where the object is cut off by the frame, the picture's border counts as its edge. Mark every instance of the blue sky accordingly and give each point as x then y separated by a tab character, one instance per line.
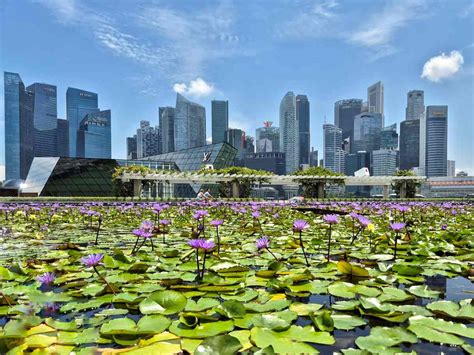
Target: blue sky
134	54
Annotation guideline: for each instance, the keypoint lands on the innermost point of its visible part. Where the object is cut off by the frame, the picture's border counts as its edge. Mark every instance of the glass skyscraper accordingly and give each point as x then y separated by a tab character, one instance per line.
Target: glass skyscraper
236	138
62	138
289	132
333	153
267	138
220	120
436	141
19	134
79	103
415	104
389	137
344	113
45	119
189	124
94	136
148	140
367	127
167	115
303	118
409	144
375	98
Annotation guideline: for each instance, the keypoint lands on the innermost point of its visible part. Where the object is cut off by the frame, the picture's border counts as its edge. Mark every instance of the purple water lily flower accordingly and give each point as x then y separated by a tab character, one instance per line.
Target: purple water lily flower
217	222
397	226
200	214
300	225
256	214
444	227
164	222
92	260
201	244
51	307
140	232
354	215
262	243
331	218
364	221
147	225
47	278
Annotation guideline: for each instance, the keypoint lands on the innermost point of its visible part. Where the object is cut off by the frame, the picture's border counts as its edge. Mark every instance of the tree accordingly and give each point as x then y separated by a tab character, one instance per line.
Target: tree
410	185
314	187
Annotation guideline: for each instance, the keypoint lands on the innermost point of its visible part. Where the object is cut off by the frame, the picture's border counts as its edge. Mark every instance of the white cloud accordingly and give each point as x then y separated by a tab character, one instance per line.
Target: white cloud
196	88
65	10
467	11
442	66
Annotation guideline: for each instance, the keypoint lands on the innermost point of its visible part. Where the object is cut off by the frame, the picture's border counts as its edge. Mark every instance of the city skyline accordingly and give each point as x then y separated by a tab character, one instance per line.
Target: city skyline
325	81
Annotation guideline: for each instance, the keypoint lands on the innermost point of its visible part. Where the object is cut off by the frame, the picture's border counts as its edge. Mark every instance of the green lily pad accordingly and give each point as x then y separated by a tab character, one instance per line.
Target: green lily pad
221	344
463	310
382	338
163	302
346	321
202	330
423	291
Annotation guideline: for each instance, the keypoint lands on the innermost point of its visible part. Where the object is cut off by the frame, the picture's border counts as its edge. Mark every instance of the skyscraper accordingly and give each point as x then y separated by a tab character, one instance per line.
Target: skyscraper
45	119
62	138
94	138
389	137
132	147
303	118
384	162
249	144
367	127
436	140
333	153
375	98
167	115
19	135
220	120
148	140
415	104
265	134
344	113
313	157
78	104
451	168
409	144
236	138
189	124
289	132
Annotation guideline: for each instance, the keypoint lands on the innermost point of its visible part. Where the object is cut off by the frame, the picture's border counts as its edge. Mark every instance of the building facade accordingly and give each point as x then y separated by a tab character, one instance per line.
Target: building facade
389	137
313	158
303	118
236	138
167	115
375	98
384	162
270	133
451	170
132	147
148	140
79	103
344	113
367	128
333	153
289	132
409	144
189	124
220	120
415	104
94	137
271	161
62	138
436	141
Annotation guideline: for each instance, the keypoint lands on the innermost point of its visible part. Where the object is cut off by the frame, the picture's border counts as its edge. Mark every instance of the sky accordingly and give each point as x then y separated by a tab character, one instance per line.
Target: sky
137	54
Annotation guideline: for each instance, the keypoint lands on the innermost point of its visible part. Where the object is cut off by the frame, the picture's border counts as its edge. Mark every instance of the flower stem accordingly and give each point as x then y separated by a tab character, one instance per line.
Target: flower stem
197	262
304	252
395	249
268	249
329	242
218	241
204	264
103	279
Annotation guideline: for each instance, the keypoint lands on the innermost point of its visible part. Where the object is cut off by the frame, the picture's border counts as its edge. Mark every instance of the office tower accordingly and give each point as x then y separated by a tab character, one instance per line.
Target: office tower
409	144
220	120
249	144
236	138
375	98
19	134
389	137
167	115
289	132
451	169
189	124
132	147
148	140
79	103
268	161
436	140
333	153
356	161
269	133
313	157
415	104
367	127
94	138
62	138
303	118
384	162
264	145
344	113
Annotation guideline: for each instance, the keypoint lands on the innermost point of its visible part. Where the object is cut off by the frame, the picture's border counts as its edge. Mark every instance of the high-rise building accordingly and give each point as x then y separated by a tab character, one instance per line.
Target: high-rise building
62	138
94	138
344	113
267	132
313	157
189	124
249	144
167	115
79	103
303	118
132	147
415	104
45	119
289	132
389	137
367	127
333	153
236	138
19	134
375	98
436	141
356	161
451	168
220	120
269	161
148	140
409	144
384	162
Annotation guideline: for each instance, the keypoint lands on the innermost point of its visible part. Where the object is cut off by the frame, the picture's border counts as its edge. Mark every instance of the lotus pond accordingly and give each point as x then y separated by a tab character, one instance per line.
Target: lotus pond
222	277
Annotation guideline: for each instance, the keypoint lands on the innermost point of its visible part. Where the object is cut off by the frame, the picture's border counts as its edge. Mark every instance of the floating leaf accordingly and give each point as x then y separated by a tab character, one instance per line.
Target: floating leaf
221	344
423	291
202	330
382	338
163	302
